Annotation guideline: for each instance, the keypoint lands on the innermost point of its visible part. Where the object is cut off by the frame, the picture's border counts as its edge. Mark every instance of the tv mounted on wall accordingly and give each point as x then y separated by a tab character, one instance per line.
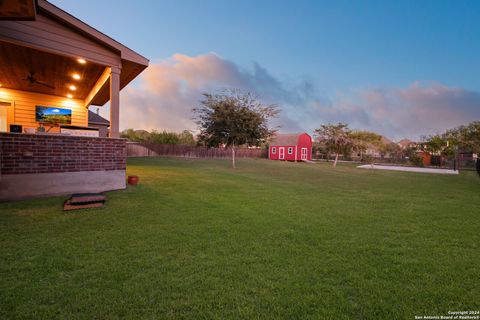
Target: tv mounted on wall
53	115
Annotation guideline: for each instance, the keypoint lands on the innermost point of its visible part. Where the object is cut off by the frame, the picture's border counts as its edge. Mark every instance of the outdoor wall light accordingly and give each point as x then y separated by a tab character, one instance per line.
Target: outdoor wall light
81	61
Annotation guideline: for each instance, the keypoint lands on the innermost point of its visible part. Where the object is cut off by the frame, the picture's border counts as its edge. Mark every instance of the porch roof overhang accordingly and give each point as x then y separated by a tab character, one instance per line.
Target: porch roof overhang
53	42
18	10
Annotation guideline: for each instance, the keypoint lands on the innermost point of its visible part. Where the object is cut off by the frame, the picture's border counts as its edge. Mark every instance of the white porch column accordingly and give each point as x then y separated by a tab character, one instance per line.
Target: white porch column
114	102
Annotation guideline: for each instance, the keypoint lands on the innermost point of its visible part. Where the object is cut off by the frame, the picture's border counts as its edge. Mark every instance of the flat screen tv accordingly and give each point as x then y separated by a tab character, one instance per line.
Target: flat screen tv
53	115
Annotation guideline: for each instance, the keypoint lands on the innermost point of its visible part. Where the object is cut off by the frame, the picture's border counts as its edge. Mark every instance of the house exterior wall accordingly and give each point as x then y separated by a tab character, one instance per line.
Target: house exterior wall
33	165
43	153
23	105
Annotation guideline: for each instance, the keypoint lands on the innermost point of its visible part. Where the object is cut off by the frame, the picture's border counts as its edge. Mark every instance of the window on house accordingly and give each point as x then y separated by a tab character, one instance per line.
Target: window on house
274	150
290	150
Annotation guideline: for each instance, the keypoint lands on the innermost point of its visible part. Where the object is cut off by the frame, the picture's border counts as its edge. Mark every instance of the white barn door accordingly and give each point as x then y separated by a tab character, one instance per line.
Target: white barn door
304	154
281	153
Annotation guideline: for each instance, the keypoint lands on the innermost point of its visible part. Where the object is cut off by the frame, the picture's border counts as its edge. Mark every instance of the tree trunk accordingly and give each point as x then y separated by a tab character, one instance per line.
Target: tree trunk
336	159
233	156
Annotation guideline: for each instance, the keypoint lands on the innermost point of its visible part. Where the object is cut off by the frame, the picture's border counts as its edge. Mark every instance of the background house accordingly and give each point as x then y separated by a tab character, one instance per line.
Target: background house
98	122
406	143
291	147
375	151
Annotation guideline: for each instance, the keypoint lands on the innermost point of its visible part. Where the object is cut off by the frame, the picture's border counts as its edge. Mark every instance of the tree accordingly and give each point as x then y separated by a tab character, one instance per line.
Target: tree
436	144
320	148
412	154
392	149
467	137
232	118
135	135
336	138
156	137
163	137
128	134
186	138
361	140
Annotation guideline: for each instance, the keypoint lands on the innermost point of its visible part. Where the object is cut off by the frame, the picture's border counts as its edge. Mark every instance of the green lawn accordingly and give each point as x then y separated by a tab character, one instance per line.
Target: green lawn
197	239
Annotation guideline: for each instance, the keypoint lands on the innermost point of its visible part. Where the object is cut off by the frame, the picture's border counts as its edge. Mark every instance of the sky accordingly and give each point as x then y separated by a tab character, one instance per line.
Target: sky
403	69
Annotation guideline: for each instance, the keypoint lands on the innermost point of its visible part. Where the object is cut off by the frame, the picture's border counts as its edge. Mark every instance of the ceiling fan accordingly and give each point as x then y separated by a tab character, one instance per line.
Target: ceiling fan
33	80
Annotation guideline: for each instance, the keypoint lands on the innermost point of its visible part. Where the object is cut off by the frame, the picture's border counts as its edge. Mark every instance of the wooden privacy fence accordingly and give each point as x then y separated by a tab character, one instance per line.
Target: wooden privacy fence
136	149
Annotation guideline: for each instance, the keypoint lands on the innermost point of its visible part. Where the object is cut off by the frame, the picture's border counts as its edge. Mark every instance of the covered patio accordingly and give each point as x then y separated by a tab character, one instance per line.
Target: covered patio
54	67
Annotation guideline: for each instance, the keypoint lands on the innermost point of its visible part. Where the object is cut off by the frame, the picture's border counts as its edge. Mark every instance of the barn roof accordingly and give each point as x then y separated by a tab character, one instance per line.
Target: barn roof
285	139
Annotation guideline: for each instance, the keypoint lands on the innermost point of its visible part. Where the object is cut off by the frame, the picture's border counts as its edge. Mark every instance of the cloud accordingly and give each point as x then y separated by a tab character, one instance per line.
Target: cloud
419	109
166	92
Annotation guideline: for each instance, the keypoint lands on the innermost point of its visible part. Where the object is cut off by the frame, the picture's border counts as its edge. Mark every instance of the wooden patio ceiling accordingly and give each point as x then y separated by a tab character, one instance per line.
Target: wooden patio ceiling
17	10
54	74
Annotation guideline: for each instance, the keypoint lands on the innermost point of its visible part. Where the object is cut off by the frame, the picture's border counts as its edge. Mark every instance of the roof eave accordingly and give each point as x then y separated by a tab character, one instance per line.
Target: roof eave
125	52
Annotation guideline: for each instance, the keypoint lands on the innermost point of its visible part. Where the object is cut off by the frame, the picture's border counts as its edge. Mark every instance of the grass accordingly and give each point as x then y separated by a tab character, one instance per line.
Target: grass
197	239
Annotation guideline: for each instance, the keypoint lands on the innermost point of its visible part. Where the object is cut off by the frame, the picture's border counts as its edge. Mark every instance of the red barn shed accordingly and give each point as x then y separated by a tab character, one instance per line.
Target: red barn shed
291	147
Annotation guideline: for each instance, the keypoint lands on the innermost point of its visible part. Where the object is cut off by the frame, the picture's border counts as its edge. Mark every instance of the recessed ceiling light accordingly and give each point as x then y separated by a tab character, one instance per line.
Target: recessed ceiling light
76	76
69	96
82	61
72	87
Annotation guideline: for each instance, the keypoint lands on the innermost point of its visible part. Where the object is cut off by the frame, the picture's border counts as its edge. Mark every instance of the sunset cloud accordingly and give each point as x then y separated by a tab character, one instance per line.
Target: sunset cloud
168	90
419	109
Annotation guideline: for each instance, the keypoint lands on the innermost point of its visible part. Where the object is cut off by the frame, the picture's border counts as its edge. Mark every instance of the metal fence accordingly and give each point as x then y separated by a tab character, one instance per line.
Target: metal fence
136	149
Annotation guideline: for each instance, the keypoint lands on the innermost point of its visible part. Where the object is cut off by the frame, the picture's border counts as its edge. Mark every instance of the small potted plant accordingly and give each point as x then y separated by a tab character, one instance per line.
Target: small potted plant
133	180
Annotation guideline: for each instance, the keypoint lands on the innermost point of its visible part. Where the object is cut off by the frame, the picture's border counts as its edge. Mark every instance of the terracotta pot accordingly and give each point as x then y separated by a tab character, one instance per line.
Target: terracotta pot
133	180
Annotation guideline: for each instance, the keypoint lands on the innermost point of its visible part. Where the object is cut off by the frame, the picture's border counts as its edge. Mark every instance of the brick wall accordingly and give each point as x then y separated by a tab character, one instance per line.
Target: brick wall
43	153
